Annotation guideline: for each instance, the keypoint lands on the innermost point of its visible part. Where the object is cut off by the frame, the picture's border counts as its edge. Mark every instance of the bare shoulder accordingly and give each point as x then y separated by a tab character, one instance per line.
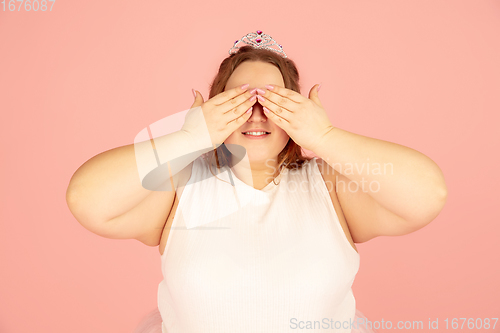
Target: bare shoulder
329	175
166	202
165	231
365	217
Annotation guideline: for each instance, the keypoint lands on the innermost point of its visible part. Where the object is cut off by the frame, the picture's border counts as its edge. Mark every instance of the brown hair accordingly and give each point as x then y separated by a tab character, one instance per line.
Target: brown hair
291	157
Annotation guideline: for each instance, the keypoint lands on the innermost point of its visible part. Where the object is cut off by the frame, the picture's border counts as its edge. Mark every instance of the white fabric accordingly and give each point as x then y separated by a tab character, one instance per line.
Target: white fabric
271	266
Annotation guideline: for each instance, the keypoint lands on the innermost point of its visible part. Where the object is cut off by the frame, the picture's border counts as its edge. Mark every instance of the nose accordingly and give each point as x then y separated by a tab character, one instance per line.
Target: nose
258	114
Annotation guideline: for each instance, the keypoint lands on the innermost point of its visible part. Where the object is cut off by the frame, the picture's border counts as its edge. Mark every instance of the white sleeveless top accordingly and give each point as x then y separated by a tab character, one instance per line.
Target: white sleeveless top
242	260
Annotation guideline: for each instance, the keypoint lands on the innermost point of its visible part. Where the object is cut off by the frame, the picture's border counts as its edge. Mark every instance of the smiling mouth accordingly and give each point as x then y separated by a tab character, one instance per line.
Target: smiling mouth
247	133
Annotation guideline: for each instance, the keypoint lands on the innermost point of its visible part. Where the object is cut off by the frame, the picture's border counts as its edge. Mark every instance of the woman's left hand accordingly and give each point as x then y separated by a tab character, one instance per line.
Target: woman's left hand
303	119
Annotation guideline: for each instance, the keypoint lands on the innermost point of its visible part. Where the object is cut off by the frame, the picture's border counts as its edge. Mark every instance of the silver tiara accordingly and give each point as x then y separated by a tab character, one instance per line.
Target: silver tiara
258	40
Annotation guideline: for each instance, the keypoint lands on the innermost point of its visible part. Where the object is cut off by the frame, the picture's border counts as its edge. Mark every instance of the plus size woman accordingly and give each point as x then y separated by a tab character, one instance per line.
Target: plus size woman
253	235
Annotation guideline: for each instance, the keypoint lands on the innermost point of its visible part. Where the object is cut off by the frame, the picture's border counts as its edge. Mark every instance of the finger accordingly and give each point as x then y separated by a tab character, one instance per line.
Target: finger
281	103
227	95
240	109
278	110
284	93
243	101
240	119
280	121
198	100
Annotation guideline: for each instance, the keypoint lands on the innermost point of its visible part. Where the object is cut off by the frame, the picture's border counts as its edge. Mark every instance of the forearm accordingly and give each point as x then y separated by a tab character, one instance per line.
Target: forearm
399	178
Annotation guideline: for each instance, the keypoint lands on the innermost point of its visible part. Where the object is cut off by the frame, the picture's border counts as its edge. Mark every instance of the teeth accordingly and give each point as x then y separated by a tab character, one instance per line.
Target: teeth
255	133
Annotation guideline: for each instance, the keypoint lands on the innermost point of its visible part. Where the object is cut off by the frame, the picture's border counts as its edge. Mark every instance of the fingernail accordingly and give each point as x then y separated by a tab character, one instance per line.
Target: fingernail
249	110
319	86
253	91
261	99
266	110
194	93
243	87
269	87
260	91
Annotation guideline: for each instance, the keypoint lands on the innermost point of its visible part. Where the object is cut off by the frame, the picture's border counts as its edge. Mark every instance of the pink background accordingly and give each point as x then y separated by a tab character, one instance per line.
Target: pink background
89	75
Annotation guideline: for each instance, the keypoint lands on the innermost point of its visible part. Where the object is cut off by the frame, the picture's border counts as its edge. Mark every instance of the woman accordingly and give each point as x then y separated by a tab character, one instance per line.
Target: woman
257	237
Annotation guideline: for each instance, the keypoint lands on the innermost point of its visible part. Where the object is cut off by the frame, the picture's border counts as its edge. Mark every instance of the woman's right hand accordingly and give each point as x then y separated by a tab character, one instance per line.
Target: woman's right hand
223	114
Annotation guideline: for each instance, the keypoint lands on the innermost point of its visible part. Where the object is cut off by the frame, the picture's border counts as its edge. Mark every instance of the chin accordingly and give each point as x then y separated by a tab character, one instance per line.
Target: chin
259	157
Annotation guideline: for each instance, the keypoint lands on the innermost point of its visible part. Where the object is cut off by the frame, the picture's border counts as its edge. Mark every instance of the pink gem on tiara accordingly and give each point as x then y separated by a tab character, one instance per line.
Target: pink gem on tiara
259	41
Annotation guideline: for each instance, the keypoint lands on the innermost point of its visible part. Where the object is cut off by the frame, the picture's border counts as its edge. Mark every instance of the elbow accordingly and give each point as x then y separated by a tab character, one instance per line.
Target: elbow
74	205
434	207
439	192
439	196
70	199
440	201
78	207
443	195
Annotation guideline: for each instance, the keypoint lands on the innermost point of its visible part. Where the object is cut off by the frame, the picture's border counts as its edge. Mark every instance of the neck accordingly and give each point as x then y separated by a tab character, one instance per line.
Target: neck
260	173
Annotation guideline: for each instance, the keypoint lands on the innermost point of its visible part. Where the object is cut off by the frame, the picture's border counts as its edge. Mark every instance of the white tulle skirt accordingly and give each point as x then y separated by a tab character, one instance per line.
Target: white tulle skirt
152	323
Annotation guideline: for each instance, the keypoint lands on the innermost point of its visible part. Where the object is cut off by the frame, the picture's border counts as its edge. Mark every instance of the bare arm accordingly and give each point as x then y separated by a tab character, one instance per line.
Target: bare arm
109	185
113	193
377	201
